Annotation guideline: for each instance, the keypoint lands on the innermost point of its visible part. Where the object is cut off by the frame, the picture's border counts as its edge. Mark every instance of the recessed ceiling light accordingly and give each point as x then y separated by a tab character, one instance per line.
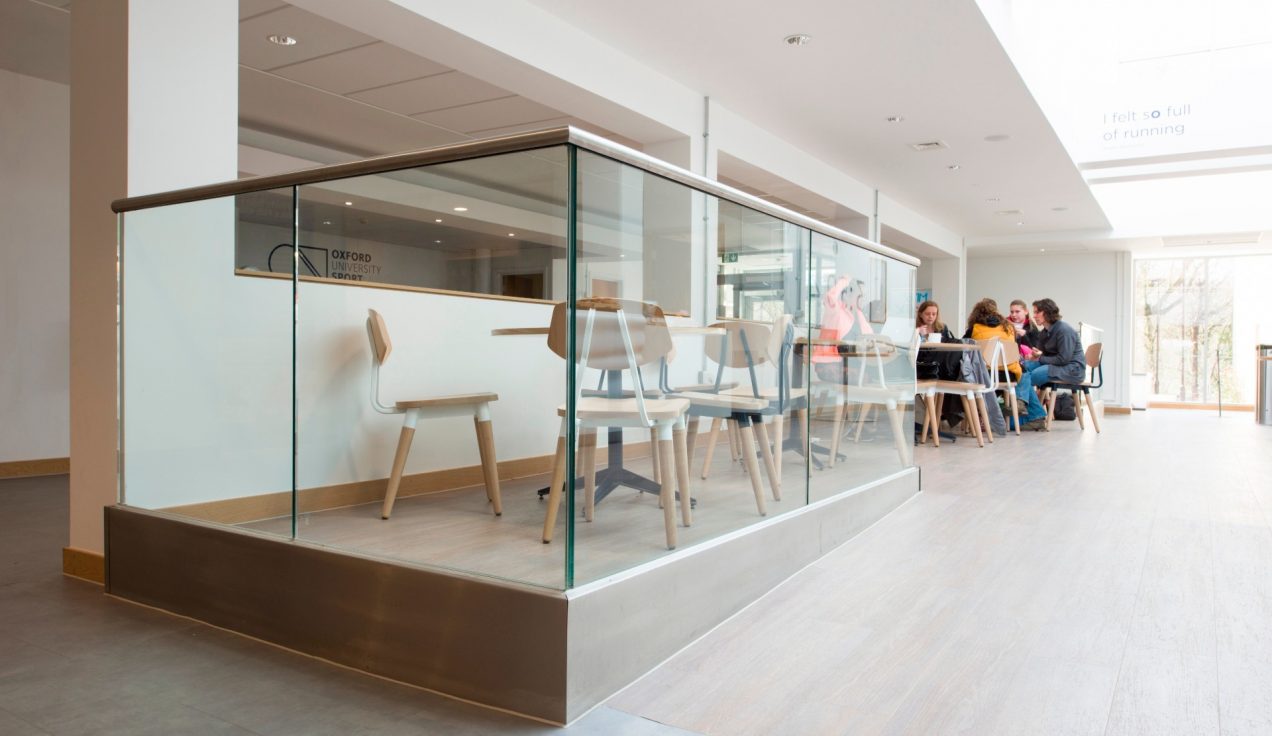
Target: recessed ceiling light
348	204
460	209
437	241
438	220
326	222
1042	250
895	118
953	167
798	39
281	39
512	235
997	137
1018	224
991	199
1059	209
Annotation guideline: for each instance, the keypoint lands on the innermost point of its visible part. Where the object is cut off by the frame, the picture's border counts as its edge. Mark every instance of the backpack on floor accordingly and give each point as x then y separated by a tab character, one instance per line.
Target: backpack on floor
1065	411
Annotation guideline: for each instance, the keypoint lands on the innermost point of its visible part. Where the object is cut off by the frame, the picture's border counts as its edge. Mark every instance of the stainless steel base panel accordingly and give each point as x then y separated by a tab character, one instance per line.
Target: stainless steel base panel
550	655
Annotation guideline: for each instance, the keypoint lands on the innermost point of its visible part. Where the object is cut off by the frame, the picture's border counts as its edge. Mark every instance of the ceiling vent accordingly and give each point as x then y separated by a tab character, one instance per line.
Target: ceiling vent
1185	241
929	146
1008	213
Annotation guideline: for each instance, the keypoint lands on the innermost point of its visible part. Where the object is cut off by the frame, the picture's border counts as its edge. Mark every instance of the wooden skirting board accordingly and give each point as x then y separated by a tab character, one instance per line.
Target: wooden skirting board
1199	407
32	468
1116	409
321	498
80	563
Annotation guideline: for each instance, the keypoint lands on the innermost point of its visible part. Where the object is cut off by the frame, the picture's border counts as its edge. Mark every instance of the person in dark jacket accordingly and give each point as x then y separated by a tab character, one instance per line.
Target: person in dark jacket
927	322
1063	359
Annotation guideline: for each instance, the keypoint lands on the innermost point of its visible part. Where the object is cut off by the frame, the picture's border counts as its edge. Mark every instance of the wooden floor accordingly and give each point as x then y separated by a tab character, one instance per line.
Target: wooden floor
456	529
1062	583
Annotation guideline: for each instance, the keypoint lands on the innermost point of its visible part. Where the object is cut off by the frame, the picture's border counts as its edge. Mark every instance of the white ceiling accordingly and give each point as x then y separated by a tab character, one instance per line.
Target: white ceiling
35	38
935	62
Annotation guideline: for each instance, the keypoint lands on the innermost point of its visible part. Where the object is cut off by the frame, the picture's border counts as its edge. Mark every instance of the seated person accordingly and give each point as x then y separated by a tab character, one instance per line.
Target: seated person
842	319
986	323
1062	359
1026	332
927	322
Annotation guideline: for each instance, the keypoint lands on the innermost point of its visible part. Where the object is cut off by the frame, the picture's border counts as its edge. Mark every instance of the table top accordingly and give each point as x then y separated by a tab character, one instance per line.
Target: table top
952	346
673	329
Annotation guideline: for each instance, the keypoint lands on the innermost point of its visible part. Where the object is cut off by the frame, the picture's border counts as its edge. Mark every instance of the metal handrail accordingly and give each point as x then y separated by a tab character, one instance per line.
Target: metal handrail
494	146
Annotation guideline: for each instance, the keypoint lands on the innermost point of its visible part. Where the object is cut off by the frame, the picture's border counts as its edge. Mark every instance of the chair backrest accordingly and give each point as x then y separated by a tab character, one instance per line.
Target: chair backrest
378	332
381	347
1011	352
1094	354
992	351
743	345
646	327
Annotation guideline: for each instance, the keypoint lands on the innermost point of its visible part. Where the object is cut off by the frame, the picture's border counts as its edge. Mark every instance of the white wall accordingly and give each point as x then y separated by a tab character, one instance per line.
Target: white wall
34	282
1088	287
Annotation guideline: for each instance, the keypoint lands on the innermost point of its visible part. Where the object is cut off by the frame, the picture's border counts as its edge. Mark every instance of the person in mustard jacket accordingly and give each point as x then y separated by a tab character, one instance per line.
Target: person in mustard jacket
985	323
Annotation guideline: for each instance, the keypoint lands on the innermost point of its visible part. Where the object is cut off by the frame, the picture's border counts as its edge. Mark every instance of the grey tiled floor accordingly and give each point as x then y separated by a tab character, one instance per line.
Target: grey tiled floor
75	662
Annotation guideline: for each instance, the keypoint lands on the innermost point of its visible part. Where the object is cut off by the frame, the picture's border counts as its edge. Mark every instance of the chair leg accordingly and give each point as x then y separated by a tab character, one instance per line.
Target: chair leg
1095	420
766	453
587	449
969	413
691	438
988	431
666	493
927	416
933	418
653	455
779	442
801	421
753	469
863	413
554	492
399	463
712	437
836	429
489	466
1049	398
1077	409
1015	409
682	473
735	443
899	436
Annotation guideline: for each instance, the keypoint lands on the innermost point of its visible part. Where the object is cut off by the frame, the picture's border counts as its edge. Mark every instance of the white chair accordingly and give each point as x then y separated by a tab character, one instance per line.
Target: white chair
873	387
997	358
618	335
478	405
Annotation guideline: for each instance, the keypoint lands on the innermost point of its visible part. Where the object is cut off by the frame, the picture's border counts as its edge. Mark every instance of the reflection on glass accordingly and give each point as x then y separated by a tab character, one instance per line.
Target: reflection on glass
206	359
424	431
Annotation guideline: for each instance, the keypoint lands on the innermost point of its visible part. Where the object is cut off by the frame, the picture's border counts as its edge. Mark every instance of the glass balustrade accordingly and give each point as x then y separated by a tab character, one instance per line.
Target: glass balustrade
544	359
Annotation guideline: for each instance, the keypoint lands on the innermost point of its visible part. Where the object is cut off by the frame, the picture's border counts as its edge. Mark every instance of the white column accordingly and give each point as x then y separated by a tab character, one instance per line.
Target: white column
154	106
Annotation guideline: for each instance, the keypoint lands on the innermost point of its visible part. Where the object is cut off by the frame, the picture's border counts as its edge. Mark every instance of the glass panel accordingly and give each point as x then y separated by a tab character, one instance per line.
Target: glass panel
429	354
206	362
663	361
1195	320
862	385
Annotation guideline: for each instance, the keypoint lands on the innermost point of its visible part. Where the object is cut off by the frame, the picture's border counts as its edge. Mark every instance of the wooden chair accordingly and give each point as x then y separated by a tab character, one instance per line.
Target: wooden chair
971	394
618	335
1095	379
744	409
478	405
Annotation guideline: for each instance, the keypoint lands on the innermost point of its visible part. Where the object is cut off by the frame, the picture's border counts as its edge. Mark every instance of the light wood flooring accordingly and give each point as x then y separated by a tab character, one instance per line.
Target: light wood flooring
456	529
1062	583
